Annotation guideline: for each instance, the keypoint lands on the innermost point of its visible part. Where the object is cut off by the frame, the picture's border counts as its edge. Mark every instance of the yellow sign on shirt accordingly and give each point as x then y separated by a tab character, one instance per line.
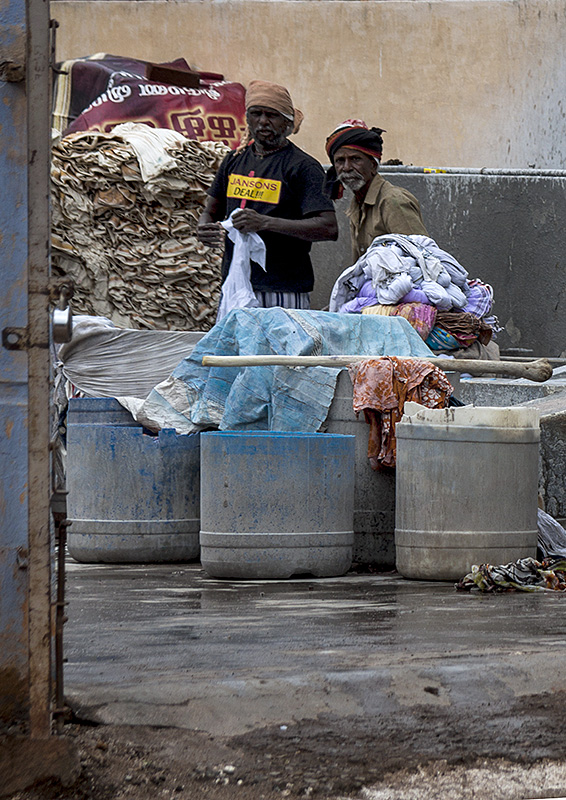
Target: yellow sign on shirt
262	190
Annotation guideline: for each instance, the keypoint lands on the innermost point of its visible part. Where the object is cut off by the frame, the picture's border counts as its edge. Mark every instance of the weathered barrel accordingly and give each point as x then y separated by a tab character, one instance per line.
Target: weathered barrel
466	489
374	492
275	504
132	497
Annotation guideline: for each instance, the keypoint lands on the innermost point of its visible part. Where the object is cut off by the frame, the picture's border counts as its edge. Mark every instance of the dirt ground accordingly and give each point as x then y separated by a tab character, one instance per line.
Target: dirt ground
425	754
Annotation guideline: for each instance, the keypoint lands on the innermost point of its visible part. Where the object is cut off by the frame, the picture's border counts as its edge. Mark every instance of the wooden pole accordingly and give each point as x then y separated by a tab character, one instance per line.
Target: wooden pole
539	370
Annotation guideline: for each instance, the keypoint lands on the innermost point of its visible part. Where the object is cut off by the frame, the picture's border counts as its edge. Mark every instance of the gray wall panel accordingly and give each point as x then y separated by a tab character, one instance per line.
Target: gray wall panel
506	229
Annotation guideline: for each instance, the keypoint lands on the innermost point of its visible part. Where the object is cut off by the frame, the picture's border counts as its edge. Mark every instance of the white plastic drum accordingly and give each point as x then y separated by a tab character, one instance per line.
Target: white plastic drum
466	489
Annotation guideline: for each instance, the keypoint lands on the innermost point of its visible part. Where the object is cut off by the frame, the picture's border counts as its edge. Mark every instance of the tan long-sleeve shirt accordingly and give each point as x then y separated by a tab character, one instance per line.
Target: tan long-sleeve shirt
385	209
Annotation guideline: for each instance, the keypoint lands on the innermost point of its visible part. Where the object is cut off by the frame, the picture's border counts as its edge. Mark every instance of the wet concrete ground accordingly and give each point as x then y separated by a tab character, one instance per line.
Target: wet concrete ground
166	645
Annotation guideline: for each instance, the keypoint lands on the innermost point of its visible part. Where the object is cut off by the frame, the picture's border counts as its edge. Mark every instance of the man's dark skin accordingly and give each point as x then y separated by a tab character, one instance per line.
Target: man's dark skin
269	130
355	170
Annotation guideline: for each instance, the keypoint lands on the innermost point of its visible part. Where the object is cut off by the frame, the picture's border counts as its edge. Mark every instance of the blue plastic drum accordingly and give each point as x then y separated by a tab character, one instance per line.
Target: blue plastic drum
276	504
132	497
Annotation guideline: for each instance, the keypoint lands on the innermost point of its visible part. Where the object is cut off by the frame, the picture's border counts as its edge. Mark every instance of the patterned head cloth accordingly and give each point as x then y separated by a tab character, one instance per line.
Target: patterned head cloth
355	134
271	95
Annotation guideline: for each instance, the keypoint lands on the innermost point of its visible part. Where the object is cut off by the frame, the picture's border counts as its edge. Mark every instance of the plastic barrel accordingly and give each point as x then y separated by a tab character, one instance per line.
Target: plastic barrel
131	497
99	411
276	504
466	490
374	492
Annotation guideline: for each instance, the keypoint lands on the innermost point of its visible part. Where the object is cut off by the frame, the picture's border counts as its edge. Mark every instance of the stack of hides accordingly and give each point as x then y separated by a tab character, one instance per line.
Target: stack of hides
125	210
411	277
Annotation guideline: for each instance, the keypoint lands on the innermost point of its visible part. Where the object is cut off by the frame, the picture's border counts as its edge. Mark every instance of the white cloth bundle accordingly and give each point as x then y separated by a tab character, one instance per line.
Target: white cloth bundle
237	291
395	264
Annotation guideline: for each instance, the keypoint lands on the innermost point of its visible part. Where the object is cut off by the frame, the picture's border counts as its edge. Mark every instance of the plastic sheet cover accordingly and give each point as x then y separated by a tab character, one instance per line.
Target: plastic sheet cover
281	398
102	360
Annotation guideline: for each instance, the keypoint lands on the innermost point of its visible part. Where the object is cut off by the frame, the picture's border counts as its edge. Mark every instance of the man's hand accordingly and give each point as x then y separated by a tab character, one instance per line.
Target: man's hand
211	233
247	221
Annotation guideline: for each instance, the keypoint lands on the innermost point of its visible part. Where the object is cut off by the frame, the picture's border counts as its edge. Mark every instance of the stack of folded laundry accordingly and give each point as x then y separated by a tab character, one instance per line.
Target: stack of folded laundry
411	277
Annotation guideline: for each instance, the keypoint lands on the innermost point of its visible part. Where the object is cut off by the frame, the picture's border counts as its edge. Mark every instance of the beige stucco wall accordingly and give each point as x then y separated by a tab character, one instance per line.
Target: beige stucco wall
455	83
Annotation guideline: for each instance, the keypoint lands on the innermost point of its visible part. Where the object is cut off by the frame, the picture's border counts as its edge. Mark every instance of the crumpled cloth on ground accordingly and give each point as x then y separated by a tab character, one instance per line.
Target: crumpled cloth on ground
525	575
237	290
382	387
547	573
420	315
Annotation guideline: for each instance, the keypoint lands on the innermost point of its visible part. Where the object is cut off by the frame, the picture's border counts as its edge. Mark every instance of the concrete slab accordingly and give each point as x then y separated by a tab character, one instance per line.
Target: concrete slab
166	645
488	391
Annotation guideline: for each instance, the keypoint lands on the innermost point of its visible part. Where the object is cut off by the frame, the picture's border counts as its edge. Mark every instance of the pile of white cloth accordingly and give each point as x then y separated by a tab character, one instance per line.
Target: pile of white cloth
398	265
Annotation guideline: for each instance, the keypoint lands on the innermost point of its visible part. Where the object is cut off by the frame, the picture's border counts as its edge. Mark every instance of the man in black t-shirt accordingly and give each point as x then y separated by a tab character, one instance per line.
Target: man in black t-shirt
277	190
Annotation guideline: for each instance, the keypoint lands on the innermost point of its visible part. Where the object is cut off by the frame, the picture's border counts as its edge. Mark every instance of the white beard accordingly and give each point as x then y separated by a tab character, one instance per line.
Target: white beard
352	181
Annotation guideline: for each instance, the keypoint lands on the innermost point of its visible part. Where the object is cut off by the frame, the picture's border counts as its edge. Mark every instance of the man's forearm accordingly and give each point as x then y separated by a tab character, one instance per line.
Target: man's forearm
313	229
321	227
209	230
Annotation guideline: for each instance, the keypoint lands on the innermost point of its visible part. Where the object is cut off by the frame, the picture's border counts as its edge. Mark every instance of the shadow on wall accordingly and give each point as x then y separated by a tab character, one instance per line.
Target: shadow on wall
504	228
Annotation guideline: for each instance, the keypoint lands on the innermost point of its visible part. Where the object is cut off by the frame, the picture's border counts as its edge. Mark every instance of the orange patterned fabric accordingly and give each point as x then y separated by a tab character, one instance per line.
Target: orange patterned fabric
421	316
382	386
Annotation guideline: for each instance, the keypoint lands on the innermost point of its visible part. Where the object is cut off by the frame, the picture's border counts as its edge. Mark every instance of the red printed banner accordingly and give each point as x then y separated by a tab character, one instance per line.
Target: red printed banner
215	111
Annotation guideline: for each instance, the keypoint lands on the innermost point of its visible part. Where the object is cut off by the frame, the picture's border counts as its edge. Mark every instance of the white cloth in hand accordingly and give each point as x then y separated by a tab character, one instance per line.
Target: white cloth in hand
237	291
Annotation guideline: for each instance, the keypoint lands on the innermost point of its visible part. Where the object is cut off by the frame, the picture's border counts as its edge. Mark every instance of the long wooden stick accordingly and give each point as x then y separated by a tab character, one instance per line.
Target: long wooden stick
539	370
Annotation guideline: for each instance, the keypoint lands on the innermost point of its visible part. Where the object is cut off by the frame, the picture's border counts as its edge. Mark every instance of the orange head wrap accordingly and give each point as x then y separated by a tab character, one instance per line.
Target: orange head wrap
271	95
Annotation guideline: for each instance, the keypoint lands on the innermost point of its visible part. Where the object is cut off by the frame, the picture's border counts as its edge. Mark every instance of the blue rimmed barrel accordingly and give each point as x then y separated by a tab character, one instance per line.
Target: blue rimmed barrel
276	504
132	497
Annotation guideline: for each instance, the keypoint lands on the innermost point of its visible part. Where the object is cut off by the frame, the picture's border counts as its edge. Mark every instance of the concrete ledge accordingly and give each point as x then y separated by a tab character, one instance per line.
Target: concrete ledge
504	392
550	399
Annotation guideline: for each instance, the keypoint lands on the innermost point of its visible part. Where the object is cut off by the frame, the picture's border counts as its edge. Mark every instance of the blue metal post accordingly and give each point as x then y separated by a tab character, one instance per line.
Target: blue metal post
25	580
14	699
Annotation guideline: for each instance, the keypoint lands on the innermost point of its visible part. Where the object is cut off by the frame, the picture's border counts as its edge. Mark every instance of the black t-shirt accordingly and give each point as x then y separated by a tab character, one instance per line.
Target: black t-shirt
287	184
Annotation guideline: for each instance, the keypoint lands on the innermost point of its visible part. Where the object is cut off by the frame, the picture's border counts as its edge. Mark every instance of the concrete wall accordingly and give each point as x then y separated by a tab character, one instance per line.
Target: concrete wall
463	83
505	229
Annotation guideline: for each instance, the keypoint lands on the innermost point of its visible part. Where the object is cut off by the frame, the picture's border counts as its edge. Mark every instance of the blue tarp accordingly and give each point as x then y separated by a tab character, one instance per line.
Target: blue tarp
280	398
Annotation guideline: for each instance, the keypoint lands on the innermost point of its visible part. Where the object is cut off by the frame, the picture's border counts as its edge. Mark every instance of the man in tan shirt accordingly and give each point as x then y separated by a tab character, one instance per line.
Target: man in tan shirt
378	207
